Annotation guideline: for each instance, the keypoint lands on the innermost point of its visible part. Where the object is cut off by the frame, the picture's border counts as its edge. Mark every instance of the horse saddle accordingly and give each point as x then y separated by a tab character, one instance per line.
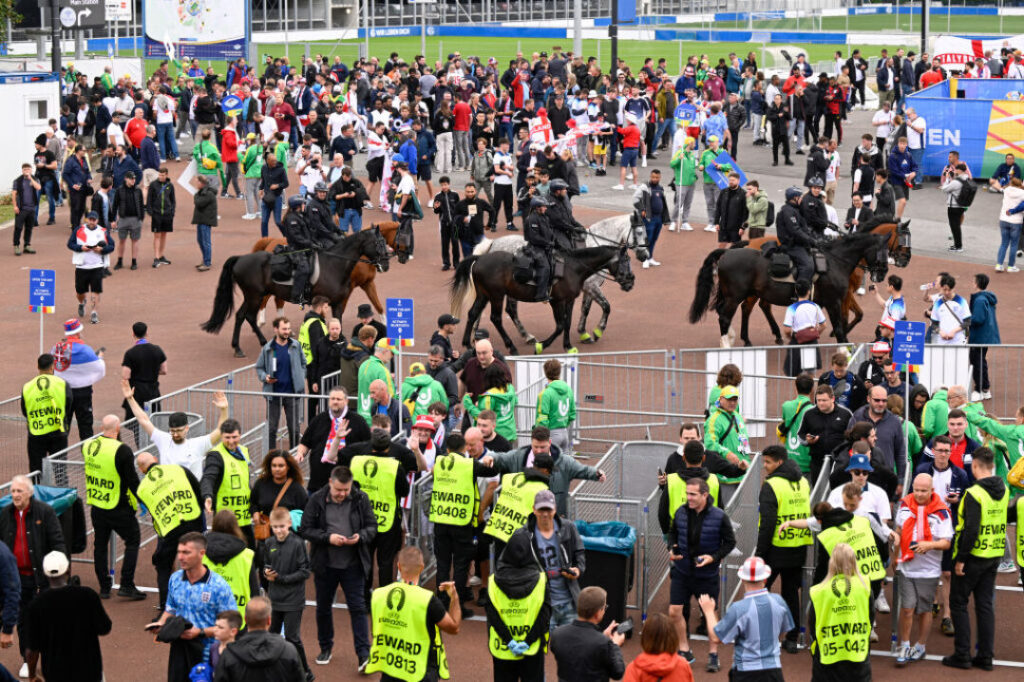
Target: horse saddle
781	267
522	264
283	262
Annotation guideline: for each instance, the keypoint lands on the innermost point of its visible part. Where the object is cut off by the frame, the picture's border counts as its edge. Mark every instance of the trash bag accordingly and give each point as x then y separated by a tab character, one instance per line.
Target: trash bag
613	537
60	499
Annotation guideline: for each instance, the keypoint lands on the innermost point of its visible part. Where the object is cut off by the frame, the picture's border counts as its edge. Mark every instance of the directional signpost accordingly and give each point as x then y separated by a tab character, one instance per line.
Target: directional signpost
83	13
907	351
42	296
400	319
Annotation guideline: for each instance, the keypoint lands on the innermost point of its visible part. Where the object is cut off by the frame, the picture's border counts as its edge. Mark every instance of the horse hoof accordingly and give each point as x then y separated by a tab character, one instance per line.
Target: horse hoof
531	339
725	343
598	333
586	338
239	353
573	351
538	348
747	344
513	351
778	340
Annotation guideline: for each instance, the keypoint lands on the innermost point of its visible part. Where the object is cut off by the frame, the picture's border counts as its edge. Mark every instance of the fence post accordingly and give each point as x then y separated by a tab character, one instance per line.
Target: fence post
46	475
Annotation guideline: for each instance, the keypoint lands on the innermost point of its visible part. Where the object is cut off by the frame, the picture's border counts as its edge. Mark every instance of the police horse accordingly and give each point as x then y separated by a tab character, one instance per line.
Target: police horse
744	273
253	274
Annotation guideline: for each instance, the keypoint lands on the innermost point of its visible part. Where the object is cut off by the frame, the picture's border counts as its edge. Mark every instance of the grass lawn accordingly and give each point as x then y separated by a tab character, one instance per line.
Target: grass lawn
961	24
6	213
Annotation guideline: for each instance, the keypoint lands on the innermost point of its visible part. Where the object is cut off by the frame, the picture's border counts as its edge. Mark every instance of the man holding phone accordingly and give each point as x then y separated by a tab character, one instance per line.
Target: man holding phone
700	537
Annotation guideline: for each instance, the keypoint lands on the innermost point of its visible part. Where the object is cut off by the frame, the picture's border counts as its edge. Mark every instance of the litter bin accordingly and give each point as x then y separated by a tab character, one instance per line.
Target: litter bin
63	502
609	547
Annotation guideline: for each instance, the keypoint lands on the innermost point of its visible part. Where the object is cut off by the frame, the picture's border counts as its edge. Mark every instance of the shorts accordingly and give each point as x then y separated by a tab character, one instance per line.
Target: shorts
918	593
728	236
900	190
947	560
600	149
684	588
423	171
88	279
483	544
629	155
129	227
375	169
150	175
161	224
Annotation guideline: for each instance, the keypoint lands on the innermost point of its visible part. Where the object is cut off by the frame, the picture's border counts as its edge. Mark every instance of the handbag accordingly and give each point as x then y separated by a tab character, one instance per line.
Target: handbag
806	335
1016	474
261	528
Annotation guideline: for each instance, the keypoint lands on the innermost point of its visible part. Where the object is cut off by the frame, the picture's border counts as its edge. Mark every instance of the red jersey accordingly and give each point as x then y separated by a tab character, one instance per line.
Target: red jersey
930	78
462	113
630	137
229	146
135	130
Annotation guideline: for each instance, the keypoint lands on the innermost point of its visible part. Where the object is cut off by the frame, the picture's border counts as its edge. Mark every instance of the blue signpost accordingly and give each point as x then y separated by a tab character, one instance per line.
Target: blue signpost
42	296
908	350
400	320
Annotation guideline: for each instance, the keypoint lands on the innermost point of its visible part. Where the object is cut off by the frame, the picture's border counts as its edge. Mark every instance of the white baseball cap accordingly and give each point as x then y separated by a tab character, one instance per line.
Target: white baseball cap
55	564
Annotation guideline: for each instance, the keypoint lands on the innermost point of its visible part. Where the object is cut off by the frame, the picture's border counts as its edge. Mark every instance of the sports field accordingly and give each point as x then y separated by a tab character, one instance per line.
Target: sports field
1008	25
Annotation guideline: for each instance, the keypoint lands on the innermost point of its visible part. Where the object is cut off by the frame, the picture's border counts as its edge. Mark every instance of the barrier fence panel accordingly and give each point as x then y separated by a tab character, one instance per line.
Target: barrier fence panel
743	513
14	436
819	493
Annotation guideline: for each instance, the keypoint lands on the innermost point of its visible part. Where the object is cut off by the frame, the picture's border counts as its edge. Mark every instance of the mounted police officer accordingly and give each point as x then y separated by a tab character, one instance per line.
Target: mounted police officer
300	242
560	216
540	239
795	237
812	207
318	217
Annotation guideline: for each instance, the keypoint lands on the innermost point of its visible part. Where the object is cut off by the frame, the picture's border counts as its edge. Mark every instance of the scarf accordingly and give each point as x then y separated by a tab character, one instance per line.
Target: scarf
916	527
335	423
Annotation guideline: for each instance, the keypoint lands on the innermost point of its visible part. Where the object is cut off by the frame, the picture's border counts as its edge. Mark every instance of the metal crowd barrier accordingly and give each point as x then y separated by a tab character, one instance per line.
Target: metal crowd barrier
742	510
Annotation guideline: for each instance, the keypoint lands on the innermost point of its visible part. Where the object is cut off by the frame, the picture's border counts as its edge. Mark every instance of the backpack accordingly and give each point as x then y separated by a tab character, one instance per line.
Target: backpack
769	219
965	197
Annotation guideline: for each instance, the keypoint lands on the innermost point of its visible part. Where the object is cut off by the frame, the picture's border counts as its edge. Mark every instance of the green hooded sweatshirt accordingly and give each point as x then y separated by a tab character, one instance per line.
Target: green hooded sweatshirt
1012	436
725	432
935	416
556	407
373	368
252	162
426	390
503	403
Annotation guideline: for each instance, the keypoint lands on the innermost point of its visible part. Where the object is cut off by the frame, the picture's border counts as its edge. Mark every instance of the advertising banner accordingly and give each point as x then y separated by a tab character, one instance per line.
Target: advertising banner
206	29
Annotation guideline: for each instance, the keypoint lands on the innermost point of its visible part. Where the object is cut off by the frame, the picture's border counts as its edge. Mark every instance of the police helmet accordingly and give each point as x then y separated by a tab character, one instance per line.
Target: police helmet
794	193
539	201
320	187
557	184
295	202
815	182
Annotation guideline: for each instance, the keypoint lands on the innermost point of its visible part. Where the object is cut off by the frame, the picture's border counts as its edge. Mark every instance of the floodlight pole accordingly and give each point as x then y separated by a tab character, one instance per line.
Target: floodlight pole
925	8
55	36
613	33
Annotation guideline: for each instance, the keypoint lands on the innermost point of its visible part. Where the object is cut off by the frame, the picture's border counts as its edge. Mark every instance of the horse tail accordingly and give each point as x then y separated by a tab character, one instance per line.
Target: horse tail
705	285
262	244
462	285
483	247
224	301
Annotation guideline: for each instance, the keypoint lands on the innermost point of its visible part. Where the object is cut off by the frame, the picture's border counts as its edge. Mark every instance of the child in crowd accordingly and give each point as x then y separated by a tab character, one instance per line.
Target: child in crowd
286	571
225	629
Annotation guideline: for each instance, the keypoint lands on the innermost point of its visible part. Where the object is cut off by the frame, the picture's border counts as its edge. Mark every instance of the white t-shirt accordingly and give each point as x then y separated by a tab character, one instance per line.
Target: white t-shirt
946	313
308	175
882	120
268	128
164	109
915	139
803	314
929	564
833	167
189	454
873	500
499	158
115	133
405	186
334	124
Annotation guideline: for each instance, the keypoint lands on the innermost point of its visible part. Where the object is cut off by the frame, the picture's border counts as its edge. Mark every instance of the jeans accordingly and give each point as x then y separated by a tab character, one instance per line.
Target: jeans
469	244
49	188
663	125
756	120
684	199
562	613
918	156
711	193
352	582
792	581
955	216
205	243
463	152
350	216
796	129
979	579
291	418
653	226
252	196
265	218
231	178
165	139
444	153
1009	234
292	622
124	523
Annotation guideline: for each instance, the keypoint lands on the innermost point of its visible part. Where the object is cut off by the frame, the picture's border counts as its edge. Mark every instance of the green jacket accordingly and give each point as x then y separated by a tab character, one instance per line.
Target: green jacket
935	416
207	149
427	391
504	405
757	209
556	406
281	152
108	81
684	163
725	433
793	415
914	444
1012	436
252	162
371	370
707	159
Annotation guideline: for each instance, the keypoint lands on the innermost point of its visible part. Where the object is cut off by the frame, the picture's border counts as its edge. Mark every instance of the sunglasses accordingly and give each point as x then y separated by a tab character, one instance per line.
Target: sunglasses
859	472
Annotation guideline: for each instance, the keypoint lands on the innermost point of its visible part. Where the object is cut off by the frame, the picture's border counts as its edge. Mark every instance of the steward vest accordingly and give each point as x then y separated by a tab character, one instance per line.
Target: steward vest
45	401
102	482
1020	531
794	502
304	344
991	540
842	620
514	505
236	574
234	490
454	500
677	492
401	642
518	615
858	535
709	542
376	477
167	493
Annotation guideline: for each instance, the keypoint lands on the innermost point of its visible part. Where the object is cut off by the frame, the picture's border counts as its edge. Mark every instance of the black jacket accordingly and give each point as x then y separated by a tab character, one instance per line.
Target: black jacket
866	214
96	204
813	210
584	654
970	512
314	527
326	358
222	548
829	428
477	222
160	201
538	233
731	209
42	532
792	229
885	201
128	202
817	164
444	204
779	118
205	210
289	560
258	656
321	224
768	504
278	175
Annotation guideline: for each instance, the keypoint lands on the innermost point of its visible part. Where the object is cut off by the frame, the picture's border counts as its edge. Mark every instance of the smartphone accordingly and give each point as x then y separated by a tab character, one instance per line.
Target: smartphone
625	627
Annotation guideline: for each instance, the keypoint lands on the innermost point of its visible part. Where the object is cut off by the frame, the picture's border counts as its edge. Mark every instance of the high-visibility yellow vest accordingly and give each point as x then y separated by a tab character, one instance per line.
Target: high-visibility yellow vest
677	492
858	535
1020	531
518	615
304	344
167	493
102	482
991	542
233	492
236	574
45	401
376	477
842	620
794	502
455	498
401	642
514	505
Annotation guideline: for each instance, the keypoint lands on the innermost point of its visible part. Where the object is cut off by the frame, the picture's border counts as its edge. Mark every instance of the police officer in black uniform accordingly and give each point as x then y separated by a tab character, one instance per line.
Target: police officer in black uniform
812	207
795	237
560	216
540	239
318	217
300	241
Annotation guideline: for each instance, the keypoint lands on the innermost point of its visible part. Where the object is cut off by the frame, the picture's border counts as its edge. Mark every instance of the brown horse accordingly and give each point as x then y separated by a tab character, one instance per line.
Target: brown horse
899	248
363	274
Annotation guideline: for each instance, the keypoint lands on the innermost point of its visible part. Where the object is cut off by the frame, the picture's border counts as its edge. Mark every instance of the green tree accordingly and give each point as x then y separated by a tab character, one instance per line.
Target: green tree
7	16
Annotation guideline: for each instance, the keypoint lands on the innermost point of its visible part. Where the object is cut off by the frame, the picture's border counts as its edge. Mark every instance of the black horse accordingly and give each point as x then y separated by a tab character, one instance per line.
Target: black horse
743	274
251	273
489	278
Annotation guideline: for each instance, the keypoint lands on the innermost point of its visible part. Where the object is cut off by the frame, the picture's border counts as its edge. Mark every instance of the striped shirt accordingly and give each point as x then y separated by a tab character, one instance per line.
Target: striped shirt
754	624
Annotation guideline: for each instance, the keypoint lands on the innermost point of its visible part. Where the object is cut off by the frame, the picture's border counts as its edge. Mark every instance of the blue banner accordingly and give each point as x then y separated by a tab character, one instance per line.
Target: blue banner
232	105
203	29
685	114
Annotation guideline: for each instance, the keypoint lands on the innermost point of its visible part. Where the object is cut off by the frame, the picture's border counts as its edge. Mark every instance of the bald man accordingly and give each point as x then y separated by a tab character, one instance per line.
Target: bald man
382	401
471	380
111	486
920	552
259	653
172	495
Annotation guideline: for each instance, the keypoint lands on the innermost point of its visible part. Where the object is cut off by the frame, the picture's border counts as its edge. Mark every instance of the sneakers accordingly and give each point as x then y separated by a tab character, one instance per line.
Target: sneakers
363	661
881	604
119	265
710	228
671	227
977	398
652	262
482	599
633	186
646	265
131	592
903	656
874	635
17	250
688	655
686	227
987	395
156	263
1010	268
618	188
947	629
917	653
94	318
81	310
324	657
135	265
713	666
202	268
467	612
163	259
23	672
104	593
643	162
1007	567
29	249
999	267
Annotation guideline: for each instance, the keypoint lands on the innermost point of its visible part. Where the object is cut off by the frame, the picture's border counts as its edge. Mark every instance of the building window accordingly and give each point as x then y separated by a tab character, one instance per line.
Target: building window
38	110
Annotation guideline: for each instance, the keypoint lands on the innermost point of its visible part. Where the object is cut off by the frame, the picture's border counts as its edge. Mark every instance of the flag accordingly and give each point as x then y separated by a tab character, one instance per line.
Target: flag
77	363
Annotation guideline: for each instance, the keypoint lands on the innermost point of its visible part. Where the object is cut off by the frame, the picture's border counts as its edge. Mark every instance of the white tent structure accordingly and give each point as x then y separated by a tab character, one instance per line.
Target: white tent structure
30	101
